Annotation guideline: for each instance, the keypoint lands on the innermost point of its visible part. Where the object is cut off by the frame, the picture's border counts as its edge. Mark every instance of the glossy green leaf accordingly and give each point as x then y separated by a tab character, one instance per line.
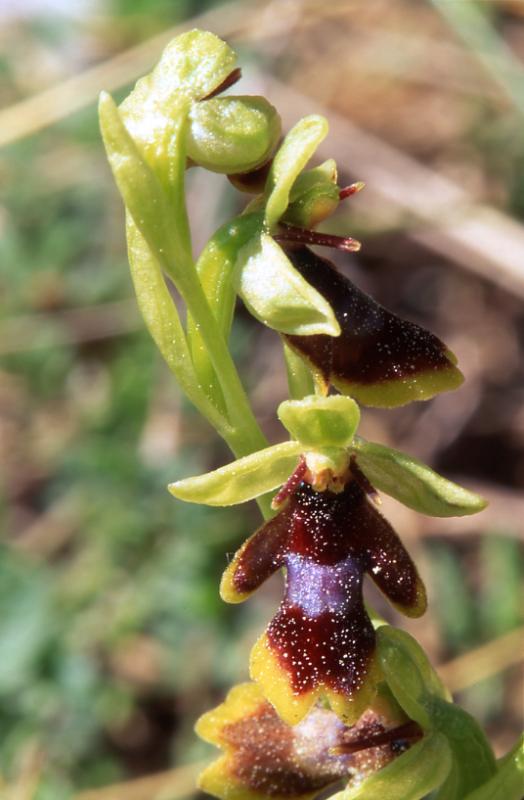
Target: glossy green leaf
191	67
232	134
508	782
413	483
277	295
318	421
411	776
242	480
293	155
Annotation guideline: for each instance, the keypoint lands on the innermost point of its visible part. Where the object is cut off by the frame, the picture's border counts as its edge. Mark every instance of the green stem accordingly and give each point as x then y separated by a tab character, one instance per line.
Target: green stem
242	434
299	378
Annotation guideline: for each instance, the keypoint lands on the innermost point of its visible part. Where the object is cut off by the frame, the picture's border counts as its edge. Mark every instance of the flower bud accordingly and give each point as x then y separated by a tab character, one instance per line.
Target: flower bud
232	134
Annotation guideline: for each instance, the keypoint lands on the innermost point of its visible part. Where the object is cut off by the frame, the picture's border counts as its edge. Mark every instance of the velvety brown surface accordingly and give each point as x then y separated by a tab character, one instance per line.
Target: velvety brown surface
375	345
270	756
327	542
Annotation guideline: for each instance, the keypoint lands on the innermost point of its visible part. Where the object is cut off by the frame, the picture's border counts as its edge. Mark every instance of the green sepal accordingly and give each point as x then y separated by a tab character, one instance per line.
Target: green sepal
242	480
508	782
277	295
411	776
291	158
413	483
420	692
190	68
232	134
319	422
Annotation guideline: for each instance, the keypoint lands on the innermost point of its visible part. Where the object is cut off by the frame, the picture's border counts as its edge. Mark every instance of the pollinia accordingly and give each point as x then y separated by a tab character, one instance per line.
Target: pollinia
338	697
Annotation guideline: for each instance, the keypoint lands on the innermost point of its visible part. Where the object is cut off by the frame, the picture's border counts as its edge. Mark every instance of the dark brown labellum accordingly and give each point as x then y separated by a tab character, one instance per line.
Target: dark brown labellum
379	358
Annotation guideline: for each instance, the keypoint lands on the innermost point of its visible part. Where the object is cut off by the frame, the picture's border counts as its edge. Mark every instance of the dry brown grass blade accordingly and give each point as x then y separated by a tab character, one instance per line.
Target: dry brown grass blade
170	785
484	662
43	109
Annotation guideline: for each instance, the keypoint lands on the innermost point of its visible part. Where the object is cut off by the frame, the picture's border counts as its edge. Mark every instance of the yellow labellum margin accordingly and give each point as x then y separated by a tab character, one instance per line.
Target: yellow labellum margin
292	706
266	758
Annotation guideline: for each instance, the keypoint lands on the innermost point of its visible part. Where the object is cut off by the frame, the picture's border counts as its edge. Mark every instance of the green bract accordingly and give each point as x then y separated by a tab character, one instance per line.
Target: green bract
276	293
242	480
419	691
411	776
413	483
321	421
296	150
410	676
508	783
232	134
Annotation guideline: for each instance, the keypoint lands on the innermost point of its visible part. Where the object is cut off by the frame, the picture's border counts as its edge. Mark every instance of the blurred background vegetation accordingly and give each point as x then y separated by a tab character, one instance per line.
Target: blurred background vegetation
112	635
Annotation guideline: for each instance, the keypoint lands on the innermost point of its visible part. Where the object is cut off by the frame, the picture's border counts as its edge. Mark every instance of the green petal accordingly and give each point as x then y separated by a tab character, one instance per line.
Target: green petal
508	782
325	173
277	295
232	134
241	480
314	196
320	421
411	776
313	206
296	150
413	483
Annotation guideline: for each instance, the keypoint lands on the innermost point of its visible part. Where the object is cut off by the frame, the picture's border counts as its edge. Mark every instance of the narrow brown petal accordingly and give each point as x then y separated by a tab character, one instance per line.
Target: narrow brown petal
258	558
